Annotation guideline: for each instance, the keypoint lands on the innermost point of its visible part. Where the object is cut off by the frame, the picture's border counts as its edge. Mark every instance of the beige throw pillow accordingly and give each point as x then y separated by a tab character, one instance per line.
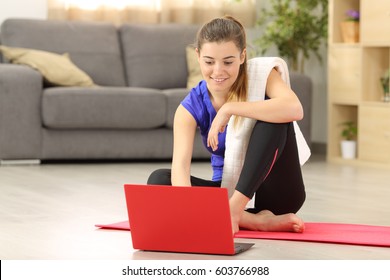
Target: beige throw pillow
194	73
56	69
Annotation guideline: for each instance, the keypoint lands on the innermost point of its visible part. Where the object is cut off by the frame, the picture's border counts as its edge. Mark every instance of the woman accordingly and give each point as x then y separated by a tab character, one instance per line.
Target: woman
271	168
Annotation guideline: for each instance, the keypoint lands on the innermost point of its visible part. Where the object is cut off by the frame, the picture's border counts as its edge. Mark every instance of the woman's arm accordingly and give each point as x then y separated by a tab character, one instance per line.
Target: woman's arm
184	128
283	106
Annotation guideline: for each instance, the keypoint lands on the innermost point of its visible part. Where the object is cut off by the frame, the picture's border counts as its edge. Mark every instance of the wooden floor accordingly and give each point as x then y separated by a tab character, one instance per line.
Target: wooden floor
48	211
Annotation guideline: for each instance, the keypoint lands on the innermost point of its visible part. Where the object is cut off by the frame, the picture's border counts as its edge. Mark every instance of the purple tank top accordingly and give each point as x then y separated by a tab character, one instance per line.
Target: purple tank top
198	103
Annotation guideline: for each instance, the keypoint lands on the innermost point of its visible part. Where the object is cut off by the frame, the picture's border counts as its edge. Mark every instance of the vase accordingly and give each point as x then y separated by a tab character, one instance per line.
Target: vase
350	31
348	149
386	97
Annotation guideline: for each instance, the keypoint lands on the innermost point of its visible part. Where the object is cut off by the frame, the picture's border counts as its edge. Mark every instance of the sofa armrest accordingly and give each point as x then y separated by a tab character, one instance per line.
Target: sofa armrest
20	116
303	87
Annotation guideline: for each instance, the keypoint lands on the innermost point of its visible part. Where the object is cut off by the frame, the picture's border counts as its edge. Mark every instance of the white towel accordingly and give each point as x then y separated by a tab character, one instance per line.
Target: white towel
237	139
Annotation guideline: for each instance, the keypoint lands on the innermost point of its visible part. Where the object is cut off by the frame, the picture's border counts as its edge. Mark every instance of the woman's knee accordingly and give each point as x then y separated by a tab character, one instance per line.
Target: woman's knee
271	128
160	177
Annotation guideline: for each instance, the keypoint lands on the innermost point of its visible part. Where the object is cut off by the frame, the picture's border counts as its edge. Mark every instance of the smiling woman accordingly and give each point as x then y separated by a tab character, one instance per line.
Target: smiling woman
265	164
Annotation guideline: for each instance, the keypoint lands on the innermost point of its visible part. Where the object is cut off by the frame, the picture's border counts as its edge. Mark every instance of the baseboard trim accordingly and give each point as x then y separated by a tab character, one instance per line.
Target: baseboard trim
20	161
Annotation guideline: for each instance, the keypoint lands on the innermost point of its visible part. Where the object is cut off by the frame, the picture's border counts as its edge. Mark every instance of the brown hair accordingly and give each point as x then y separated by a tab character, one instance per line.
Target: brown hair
227	29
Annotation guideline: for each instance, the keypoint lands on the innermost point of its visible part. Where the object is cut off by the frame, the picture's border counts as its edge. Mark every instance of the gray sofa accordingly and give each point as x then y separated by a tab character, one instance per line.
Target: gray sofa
141	71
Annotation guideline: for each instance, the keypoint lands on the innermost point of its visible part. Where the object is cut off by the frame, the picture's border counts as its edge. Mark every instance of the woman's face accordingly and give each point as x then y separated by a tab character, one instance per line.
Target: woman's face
220	65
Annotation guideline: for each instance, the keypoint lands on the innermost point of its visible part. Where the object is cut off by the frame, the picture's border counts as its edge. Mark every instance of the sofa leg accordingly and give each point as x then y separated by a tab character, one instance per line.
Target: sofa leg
20	162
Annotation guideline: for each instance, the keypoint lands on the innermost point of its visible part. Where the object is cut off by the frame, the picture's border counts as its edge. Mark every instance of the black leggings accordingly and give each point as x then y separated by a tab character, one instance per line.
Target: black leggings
271	170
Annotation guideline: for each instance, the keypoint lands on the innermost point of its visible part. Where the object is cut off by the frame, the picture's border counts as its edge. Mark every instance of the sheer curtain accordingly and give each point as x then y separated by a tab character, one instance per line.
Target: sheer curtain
151	11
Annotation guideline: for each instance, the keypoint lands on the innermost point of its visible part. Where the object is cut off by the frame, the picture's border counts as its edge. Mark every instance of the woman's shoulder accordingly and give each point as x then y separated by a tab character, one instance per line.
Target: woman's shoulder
200	89
196	102
197	94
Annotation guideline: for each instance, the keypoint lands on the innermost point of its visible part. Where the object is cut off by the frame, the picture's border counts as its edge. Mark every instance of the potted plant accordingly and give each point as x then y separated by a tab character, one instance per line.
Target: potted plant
296	27
348	144
350	27
385	85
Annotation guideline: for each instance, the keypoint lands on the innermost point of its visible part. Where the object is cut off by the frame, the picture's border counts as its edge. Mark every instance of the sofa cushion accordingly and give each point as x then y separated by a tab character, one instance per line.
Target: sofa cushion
103	107
94	47
56	69
155	55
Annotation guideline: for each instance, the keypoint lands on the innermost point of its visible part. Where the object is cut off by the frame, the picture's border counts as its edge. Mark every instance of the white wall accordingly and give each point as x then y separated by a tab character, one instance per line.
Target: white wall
23	8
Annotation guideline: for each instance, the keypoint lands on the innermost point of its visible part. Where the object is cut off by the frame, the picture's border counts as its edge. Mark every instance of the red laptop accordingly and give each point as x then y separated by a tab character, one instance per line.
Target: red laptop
181	219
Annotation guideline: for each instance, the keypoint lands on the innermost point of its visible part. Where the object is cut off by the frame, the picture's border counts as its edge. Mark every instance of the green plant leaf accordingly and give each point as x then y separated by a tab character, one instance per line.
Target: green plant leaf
296	27
349	130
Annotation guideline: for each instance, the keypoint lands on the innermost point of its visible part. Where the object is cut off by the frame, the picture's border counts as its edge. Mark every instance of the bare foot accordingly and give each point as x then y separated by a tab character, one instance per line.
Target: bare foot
266	221
235	224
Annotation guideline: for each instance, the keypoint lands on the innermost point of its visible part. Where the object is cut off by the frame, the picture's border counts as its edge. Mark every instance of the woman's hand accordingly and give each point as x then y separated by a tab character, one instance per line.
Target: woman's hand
218	126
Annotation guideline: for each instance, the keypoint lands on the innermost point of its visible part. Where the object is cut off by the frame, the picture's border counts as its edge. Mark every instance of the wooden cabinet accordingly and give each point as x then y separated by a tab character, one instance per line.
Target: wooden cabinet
375	61
345	74
354	89
374	134
375	22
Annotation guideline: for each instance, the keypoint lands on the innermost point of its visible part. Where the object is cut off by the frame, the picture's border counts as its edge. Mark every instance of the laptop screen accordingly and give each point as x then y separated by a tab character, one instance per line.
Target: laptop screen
180	219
